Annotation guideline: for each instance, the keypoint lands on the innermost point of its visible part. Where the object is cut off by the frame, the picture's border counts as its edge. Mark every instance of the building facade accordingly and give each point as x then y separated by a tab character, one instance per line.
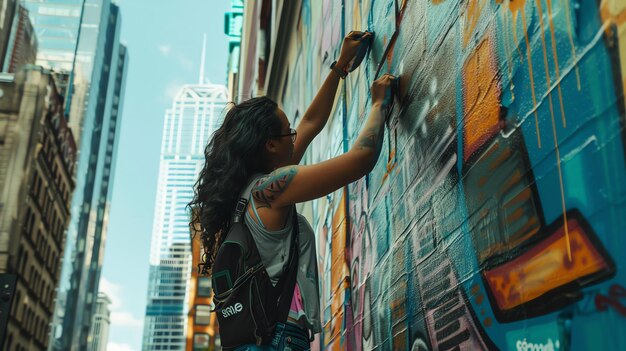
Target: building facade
197	111
233	25
8	10
97	98
57	25
494	217
99	335
22	46
37	160
202	328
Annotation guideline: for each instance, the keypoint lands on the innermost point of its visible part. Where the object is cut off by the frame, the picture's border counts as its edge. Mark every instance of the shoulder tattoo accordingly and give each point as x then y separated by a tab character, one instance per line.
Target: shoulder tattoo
272	186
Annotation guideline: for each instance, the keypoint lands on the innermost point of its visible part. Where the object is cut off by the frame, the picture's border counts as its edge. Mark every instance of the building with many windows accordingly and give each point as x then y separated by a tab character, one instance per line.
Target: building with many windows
8	9
202	328
22	45
95	116
57	24
37	160
197	110
233	24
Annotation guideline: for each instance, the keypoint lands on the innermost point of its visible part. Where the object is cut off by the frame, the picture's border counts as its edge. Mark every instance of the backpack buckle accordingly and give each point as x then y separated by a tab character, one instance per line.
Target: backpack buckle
239	208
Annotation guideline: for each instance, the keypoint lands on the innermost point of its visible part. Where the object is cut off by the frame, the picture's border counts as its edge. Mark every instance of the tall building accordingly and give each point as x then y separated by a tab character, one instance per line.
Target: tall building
202	328
57	24
22	46
101	322
233	25
8	9
95	116
37	156
197	110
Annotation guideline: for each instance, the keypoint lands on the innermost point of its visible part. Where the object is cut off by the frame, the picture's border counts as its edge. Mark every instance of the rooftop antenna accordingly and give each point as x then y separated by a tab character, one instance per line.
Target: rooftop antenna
201	78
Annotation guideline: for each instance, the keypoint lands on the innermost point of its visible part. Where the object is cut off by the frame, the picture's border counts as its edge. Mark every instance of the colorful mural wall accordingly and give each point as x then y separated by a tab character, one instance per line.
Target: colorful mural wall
496	215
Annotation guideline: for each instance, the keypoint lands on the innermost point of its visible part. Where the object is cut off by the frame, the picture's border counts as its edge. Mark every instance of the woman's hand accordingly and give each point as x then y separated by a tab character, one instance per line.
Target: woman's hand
349	48
380	88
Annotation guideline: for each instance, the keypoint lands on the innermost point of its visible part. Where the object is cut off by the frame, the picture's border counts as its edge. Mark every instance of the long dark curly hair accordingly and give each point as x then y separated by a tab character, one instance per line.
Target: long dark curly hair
232	156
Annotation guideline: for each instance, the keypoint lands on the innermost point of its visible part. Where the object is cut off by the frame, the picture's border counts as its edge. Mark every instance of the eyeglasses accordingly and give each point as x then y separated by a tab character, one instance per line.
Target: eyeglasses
292	133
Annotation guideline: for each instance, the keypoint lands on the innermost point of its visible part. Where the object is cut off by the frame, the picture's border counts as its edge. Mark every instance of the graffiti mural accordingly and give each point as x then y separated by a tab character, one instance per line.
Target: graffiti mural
494	218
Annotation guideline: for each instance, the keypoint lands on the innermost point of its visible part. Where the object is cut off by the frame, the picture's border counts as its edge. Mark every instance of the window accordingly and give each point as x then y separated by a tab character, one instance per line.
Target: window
204	286
200	342
203	314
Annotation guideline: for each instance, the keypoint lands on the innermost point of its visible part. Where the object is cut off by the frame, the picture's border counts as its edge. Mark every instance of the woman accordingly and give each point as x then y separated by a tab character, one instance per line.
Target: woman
256	143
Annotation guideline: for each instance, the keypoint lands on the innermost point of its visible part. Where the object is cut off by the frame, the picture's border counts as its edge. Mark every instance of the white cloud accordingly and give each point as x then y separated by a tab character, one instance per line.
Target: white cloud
119	317
164	49
113	346
113	291
125	319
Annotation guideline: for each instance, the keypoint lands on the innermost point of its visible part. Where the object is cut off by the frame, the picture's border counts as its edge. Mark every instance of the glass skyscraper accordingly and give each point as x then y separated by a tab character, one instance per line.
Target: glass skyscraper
98	88
57	25
197	111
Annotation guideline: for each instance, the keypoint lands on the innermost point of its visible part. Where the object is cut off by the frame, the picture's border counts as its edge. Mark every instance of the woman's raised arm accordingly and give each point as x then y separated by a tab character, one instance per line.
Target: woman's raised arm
316	116
294	184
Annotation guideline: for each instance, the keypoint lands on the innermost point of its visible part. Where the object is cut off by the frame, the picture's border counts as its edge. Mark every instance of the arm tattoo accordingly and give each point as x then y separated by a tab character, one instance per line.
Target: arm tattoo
369	140
272	186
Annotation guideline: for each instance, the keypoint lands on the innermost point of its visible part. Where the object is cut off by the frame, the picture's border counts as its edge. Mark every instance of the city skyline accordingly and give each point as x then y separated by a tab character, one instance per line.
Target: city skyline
82	47
196	112
57	222
160	64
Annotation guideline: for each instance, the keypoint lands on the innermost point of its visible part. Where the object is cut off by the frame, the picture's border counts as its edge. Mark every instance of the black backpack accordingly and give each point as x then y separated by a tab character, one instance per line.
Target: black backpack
248	306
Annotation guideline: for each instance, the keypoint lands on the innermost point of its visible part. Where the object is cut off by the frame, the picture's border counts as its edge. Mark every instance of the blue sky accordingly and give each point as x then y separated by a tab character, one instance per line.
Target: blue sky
164	40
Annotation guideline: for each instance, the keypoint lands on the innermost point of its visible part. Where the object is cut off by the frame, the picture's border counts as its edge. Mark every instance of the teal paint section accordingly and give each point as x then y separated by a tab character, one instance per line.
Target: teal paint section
494	218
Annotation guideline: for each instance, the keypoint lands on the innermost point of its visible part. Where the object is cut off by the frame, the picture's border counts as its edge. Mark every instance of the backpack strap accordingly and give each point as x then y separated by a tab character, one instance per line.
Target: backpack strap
287	283
242	203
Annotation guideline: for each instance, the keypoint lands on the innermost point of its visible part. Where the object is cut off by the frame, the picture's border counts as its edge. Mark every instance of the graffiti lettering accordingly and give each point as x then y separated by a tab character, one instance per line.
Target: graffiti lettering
449	321
529	346
616	292
470	233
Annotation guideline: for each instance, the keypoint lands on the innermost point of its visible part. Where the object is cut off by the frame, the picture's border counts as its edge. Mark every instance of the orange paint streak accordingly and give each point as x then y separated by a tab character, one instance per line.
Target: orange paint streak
563	207
568	18
474	9
514	31
391	165
556	142
530	71
517	6
507	48
614	12
529	229
523	196
556	61
512	181
544	268
606	14
481	98
501	159
390	55
515	215
545	55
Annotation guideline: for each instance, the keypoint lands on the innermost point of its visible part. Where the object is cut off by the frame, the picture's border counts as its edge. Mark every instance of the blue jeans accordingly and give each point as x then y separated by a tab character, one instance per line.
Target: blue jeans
286	337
